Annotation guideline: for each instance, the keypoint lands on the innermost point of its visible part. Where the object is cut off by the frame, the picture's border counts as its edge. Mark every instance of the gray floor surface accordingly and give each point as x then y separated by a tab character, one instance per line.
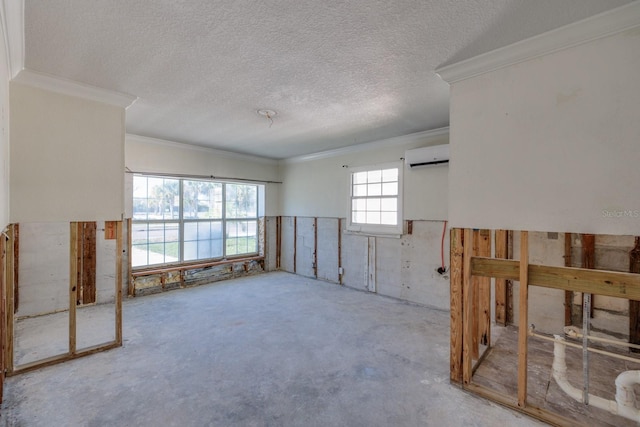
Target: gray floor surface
268	350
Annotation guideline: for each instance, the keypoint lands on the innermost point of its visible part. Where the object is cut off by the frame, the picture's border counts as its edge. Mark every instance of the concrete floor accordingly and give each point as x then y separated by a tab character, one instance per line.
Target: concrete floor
268	350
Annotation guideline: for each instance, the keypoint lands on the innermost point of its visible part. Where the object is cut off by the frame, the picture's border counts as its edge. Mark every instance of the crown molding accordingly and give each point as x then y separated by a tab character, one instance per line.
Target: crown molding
184	146
425	136
12	21
598	26
69	87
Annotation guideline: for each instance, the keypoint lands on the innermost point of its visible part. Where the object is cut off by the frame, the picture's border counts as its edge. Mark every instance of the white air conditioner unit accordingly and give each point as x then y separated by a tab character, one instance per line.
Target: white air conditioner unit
426	156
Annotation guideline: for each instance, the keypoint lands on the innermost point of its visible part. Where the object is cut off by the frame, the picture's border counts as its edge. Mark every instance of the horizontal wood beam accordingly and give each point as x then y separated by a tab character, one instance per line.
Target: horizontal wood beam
184	267
599	282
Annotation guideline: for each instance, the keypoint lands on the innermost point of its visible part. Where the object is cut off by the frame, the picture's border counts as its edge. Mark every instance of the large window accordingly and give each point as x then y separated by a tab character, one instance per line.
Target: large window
375	204
176	220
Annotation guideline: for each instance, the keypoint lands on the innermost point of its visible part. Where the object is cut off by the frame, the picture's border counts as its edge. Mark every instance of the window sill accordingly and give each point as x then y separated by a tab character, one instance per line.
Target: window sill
373	234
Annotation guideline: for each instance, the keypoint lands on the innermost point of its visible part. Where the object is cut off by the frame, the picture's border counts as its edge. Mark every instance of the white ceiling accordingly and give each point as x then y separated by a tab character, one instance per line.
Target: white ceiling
338	73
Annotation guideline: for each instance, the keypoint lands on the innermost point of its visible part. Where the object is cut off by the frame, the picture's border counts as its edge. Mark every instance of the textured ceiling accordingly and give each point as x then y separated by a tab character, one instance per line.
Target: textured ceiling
337	72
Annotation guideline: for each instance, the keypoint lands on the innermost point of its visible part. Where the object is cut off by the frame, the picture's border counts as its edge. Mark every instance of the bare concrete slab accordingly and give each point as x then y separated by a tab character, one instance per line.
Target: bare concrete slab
268	350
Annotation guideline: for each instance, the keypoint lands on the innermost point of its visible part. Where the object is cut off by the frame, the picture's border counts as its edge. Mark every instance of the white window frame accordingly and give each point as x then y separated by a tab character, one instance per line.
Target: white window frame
377	229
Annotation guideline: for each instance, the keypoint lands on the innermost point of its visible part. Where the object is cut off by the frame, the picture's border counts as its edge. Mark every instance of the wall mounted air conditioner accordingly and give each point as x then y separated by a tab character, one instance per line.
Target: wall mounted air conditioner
426	156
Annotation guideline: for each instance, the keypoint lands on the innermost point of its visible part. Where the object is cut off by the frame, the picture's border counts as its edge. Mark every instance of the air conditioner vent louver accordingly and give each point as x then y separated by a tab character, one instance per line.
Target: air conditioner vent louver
427	156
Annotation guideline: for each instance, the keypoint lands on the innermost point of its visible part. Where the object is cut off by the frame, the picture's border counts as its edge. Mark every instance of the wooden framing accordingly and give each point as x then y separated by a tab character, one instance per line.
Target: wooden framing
465	266
456	322
315	247
523	324
74	263
3	311
278	241
484	292
568	295
501	284
634	306
295	242
467	298
589	260
15	261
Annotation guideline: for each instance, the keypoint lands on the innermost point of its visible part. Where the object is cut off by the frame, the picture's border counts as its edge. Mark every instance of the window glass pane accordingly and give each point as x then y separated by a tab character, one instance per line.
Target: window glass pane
202	199
140	208
360	190
373	217
389	218
139	242
374	176
163	198
389	175
373	204
360	217
390	189
140	187
190	251
241	237
361	204
389	205
360	178
190	231
242	201
204	231
374	189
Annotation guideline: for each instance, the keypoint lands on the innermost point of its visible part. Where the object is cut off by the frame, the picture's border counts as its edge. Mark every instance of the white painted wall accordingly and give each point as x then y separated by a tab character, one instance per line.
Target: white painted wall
67	157
321	187
550	144
152	155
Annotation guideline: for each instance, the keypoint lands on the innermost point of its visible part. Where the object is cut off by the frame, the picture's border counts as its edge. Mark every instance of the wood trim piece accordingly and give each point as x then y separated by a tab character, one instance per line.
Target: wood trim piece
523	324
501	284
118	284
3	312
455	295
467	298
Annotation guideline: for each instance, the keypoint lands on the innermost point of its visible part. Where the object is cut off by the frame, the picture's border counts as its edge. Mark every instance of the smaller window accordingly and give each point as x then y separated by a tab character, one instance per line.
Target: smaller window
375	199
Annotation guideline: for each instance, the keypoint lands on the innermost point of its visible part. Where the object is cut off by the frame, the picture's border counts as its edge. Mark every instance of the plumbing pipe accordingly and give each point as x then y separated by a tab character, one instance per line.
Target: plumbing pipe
624	405
625	395
575	332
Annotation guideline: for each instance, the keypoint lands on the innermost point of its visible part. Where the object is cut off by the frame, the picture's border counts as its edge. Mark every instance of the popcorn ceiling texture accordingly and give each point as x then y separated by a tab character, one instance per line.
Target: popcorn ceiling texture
338	73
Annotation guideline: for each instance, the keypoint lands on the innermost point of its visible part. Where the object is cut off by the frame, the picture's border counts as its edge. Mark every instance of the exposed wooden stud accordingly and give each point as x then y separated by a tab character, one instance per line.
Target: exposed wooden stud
475	301
119	275
467	308
278	240
54	360
634	306
524	318
315	247
501	284
484	292
15	259
600	282
568	295
110	230
510	310
86	262
410	227
340	250
73	284
589	259
295	242
533	411
3	312
455	295
131	291
10	305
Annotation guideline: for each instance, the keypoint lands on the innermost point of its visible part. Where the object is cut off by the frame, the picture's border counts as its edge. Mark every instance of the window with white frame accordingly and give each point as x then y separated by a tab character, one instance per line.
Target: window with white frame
181	220
375	204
